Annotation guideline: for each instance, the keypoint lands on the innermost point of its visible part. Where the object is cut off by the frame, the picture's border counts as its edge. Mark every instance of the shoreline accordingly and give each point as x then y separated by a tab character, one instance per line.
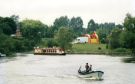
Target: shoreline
102	53
90	53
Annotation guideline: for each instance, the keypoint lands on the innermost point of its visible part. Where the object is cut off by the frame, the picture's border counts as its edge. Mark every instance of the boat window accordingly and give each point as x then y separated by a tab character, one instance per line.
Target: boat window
44	50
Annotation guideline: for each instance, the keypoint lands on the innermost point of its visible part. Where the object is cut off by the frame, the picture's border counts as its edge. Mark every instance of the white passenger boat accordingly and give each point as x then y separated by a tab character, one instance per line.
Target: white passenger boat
49	51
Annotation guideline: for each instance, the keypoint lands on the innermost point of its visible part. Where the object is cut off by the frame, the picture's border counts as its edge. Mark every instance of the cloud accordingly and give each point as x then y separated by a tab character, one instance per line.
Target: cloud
48	10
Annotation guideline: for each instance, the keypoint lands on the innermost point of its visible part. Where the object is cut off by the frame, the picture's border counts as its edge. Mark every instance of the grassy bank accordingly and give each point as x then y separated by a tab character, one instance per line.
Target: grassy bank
89	48
97	49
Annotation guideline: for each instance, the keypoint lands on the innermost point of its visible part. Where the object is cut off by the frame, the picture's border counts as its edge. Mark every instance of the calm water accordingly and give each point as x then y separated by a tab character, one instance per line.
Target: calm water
32	69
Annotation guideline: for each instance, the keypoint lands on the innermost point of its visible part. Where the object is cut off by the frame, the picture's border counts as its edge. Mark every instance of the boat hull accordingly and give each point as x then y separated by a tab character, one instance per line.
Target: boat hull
91	75
49	53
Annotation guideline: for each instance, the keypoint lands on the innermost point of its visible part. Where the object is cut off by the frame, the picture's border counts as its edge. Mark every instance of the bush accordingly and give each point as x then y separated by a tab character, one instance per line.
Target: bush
120	50
48	42
99	48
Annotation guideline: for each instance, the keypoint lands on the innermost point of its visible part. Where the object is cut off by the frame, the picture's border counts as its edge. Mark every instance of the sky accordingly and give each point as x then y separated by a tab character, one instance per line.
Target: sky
48	10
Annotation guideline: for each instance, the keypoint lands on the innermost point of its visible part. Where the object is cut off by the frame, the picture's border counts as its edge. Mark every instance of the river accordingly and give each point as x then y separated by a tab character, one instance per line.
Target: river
36	69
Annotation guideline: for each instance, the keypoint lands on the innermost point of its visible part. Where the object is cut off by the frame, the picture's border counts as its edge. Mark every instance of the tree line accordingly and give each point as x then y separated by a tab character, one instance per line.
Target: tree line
61	33
124	38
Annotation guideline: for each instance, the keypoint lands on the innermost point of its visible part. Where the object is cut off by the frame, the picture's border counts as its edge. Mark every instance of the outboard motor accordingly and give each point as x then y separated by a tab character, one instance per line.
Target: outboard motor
79	71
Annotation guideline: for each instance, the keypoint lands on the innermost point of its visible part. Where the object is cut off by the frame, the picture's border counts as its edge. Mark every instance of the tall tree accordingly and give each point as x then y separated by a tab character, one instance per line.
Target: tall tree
129	23
102	35
64	37
128	39
15	18
7	25
77	25
114	38
92	26
63	21
49	32
32	30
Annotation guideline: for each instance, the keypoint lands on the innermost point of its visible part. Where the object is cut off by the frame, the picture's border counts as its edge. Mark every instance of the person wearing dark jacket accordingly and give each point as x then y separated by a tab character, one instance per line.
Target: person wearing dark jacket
90	68
87	67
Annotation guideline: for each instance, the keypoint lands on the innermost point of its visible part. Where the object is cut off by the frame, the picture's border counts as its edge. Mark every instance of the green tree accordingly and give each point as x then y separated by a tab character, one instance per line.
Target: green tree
129	23
62	21
77	25
128	37
51	42
104	29
102	35
5	28
114	38
64	38
119	26
107	27
6	44
49	32
15	18
92	26
7	25
32	30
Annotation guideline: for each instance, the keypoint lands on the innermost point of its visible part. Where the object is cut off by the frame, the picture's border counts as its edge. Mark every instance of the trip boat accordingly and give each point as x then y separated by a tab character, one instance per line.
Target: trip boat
90	74
49	51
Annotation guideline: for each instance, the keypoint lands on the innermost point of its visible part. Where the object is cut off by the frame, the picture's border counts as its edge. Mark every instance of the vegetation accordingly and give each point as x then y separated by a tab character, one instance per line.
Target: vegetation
7	25
64	37
76	24
89	48
113	38
129	35
48	42
11	45
33	30
98	49
124	38
92	26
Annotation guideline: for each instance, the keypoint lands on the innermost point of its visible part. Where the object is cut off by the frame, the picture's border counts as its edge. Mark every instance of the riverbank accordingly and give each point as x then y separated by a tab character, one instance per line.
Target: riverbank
129	60
97	49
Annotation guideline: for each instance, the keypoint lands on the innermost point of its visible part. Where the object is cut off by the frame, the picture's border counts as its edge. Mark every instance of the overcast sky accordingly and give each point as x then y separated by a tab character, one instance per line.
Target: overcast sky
48	10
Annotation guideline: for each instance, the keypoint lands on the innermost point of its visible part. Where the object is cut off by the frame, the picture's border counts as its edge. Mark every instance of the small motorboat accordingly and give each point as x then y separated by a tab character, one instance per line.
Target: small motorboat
90	74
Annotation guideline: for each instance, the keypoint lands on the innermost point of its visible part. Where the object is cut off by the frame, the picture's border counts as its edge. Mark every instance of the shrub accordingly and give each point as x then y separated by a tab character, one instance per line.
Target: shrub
120	50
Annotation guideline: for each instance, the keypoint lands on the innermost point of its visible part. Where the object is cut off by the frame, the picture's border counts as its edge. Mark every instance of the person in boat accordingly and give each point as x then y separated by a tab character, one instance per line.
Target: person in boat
90	68
87	67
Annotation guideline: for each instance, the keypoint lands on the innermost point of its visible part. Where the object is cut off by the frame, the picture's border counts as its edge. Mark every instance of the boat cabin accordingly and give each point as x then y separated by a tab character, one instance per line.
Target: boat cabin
49	51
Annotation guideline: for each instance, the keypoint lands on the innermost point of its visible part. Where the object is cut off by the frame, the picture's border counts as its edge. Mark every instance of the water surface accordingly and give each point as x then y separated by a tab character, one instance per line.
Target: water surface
36	69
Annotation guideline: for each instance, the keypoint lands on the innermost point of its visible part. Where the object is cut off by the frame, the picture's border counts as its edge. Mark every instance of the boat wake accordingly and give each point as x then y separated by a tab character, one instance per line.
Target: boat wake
55	76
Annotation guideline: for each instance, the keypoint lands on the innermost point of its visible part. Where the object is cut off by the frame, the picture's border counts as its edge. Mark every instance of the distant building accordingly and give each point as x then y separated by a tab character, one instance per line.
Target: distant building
18	33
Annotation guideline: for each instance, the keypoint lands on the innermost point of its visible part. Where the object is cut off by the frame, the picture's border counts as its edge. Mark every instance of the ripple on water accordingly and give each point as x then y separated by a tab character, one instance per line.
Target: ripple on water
32	69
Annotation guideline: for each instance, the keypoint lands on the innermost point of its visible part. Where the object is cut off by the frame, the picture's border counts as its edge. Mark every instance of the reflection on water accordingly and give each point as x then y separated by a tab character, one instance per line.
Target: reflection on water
6	59
129	60
38	69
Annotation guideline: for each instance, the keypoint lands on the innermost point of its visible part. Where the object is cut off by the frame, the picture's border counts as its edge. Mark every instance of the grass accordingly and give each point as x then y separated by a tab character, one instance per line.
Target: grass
89	48
98	49
85	48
